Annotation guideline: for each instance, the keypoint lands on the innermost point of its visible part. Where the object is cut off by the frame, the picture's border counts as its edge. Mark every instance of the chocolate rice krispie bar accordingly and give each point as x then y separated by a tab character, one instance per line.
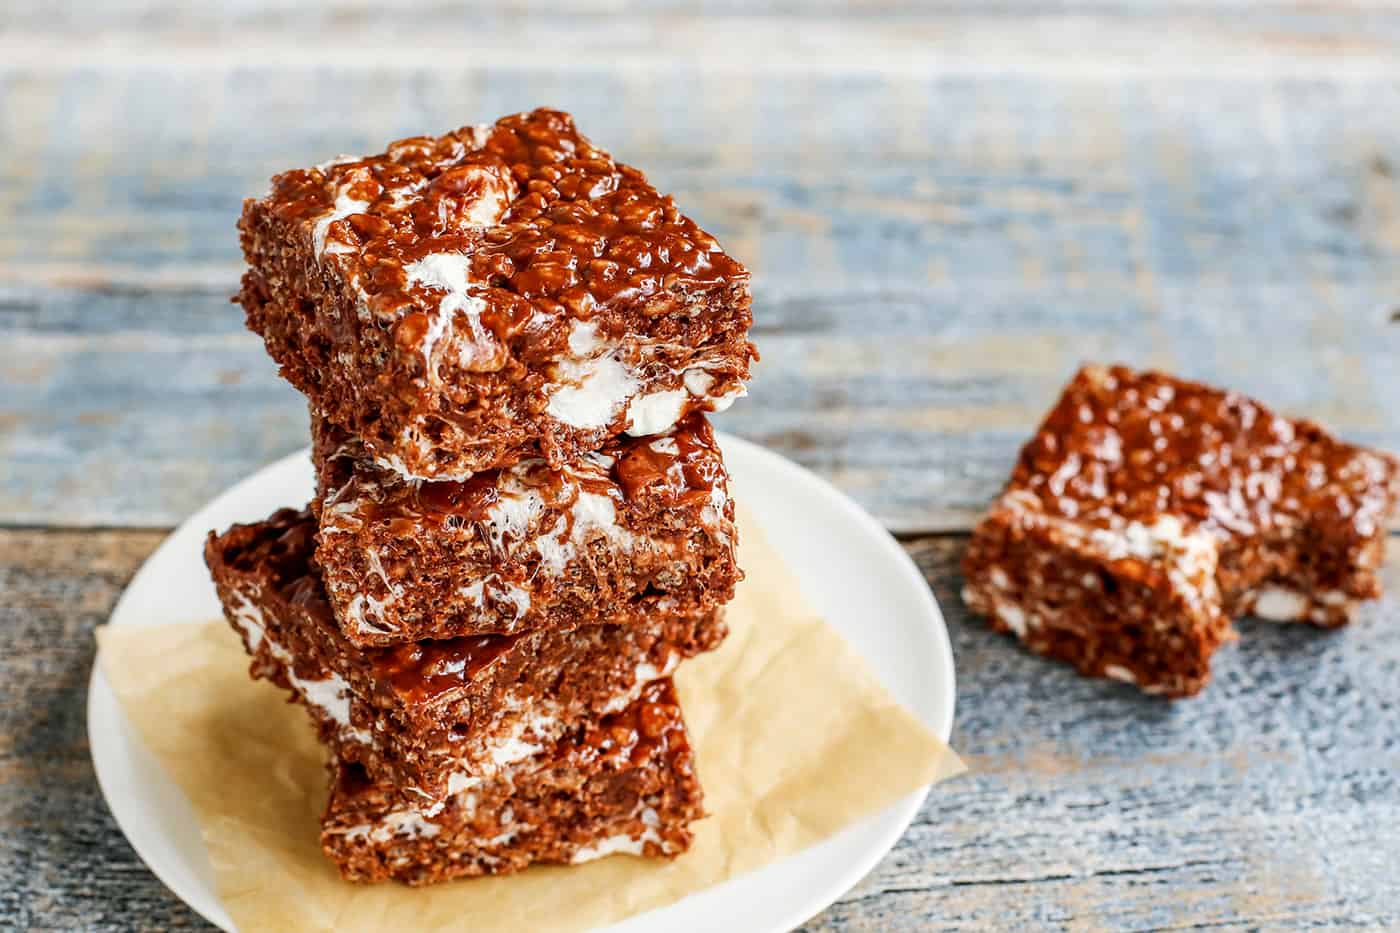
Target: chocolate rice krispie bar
622	784
505	291
427	716
1147	511
643	527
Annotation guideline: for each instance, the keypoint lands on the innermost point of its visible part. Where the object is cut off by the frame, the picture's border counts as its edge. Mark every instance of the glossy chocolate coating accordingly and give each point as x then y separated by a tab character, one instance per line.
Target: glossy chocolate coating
555	228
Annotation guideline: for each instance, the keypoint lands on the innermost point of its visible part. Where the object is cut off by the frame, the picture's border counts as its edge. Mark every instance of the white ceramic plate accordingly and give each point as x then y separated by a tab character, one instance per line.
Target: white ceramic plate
850	568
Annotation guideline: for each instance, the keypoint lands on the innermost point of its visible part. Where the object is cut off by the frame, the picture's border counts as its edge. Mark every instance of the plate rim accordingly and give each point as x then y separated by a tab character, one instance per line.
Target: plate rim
909	805
103	746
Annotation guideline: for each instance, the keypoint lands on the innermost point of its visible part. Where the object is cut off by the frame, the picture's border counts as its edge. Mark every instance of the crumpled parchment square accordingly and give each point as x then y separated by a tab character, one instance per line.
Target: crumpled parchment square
795	739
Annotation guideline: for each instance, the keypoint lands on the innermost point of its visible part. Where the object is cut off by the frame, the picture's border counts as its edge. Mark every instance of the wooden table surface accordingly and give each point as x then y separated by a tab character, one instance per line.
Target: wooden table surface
946	208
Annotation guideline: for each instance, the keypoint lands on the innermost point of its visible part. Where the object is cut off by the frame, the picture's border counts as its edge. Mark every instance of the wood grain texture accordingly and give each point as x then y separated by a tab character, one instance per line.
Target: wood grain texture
947	206
65	863
1268	802
1105	38
933	257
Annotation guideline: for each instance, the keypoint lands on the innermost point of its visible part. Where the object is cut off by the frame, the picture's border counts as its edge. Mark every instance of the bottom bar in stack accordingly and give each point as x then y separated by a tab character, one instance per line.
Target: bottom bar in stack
622	784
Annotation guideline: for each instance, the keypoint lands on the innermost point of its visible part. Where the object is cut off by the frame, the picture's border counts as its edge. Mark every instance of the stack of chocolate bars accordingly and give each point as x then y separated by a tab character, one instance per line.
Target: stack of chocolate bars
522	523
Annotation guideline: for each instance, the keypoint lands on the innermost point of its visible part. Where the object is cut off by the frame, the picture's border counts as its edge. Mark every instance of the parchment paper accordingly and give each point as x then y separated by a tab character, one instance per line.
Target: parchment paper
795	740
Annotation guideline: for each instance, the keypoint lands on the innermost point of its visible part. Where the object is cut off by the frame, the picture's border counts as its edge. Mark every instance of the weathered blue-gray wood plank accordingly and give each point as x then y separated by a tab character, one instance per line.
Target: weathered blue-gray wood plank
132	408
1269	802
933	256
947	205
1103	37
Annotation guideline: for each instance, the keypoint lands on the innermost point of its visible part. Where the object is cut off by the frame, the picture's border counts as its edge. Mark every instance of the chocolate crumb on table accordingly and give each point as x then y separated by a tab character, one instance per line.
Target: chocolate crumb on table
503	291
623	784
643	526
427	716
1148	511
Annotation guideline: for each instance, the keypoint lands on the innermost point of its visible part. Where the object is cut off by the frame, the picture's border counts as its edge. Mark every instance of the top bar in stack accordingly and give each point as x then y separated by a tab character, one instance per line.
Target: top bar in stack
505	291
